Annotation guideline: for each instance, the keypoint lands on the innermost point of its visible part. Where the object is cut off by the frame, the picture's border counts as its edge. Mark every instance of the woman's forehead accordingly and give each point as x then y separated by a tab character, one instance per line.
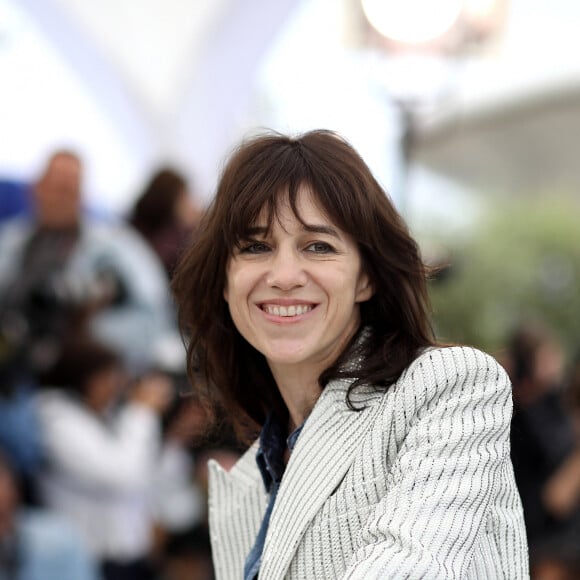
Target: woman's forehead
304	205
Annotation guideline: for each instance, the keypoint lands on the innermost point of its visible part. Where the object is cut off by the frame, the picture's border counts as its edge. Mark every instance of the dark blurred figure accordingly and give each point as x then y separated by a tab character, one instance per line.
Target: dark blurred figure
573	393
58	268
543	441
190	440
180	500
188	556
36	544
165	215
103	442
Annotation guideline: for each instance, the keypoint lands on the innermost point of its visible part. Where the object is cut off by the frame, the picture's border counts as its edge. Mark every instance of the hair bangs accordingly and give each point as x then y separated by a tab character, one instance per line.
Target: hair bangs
258	200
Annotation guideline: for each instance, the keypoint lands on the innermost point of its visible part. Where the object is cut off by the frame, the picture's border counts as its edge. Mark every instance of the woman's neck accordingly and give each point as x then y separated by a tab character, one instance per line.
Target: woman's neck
299	389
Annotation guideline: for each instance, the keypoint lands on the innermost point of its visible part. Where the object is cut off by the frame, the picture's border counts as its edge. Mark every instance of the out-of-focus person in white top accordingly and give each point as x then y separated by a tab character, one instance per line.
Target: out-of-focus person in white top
102	454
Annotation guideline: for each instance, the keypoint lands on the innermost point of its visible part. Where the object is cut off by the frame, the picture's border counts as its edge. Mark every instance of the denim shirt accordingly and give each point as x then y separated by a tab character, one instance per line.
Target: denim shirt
270	460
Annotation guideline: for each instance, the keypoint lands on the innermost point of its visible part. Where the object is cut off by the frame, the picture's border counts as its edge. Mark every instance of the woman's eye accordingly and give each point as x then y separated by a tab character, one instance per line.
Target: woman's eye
320	248
254	248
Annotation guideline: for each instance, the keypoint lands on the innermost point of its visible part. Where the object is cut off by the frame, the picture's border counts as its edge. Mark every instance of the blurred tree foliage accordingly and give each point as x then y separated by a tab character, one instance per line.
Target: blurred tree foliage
521	263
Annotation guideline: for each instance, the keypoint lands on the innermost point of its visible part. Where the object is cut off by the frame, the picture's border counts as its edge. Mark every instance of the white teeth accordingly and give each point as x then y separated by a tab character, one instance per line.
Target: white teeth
287	311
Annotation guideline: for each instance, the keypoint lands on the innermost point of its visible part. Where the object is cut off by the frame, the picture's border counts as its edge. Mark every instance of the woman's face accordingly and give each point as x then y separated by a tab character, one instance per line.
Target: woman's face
294	292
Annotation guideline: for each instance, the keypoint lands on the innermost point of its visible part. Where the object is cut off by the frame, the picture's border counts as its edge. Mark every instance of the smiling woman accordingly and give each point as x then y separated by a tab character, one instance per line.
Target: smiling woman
293	291
379	454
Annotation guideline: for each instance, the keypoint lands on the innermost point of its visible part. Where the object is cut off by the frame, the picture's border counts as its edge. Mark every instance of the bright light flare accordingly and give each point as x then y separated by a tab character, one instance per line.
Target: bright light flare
412	21
481	9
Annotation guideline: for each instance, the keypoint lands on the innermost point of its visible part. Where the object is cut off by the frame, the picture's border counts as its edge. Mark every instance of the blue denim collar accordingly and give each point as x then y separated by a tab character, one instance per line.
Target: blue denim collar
270	454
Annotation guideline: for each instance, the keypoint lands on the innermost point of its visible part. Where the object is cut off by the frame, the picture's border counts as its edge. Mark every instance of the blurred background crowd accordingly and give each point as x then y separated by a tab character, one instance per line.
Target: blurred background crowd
115	119
97	431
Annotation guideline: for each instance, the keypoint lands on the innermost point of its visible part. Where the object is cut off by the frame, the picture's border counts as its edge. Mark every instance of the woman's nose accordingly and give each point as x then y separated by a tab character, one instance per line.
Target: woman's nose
286	271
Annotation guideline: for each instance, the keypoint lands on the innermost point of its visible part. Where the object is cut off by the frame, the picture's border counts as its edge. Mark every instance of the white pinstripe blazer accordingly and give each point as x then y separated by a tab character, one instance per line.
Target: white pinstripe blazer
417	485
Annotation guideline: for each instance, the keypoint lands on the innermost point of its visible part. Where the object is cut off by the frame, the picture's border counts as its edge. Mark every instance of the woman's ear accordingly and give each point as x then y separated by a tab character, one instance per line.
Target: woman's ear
364	288
225	293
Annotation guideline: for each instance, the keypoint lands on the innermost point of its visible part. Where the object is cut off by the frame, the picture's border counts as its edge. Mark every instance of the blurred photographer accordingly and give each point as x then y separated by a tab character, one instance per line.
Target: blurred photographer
59	270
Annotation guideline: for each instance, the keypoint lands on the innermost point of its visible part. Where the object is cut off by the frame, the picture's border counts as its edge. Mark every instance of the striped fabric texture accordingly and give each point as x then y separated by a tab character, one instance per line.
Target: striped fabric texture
417	484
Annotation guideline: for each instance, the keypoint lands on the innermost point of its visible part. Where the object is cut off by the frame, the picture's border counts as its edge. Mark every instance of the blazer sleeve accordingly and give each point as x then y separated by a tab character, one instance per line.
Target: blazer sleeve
453	417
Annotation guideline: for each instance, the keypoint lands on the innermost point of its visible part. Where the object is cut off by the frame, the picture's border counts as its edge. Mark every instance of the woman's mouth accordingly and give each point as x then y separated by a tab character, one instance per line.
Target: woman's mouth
287	311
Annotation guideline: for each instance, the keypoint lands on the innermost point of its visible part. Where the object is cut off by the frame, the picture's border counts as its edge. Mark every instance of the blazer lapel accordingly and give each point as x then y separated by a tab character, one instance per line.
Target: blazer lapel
237	503
324	451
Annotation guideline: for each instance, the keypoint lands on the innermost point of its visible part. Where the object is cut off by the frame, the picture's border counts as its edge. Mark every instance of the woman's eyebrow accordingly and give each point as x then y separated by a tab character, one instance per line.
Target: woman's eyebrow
310	228
321	229
255	231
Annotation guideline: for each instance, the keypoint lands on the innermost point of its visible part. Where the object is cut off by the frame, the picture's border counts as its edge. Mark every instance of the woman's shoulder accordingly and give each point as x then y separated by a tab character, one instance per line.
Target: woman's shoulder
443	367
54	398
59	409
455	356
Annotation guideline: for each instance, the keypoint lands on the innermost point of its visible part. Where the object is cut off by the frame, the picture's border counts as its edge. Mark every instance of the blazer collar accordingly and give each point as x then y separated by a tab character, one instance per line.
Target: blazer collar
244	474
327	446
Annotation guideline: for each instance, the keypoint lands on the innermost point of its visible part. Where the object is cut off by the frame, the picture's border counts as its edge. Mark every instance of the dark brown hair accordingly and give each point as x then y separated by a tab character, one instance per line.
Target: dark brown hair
155	208
79	360
262	172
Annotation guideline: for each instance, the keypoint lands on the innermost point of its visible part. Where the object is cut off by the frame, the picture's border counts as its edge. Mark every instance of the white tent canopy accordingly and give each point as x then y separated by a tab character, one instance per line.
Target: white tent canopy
514	144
